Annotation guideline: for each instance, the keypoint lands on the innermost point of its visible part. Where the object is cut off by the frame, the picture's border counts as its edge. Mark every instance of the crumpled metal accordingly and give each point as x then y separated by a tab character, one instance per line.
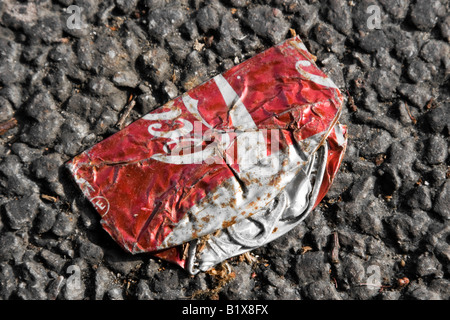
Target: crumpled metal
227	167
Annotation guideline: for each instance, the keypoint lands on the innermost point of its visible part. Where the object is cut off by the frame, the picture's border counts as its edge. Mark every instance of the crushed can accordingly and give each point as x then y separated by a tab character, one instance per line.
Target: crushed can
229	166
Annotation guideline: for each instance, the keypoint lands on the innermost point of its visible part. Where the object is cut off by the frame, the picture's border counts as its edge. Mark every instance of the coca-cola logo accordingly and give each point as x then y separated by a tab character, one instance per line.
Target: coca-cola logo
187	136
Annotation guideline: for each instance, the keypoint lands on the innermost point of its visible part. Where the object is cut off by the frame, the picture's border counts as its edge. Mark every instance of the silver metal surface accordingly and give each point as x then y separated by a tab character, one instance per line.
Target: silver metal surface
287	210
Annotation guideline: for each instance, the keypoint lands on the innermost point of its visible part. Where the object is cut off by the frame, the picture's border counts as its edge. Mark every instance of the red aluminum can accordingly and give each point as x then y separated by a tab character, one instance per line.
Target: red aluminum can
228	166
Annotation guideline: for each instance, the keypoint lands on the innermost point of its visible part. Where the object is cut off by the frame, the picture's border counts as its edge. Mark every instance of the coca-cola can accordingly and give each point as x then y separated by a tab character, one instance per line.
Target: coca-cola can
222	169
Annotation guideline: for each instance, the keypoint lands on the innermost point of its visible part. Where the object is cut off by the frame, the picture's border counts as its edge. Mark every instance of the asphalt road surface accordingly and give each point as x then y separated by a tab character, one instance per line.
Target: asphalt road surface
66	76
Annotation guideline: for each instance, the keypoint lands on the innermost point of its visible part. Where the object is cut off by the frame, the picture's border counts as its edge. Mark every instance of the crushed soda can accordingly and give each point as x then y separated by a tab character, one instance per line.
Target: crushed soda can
227	167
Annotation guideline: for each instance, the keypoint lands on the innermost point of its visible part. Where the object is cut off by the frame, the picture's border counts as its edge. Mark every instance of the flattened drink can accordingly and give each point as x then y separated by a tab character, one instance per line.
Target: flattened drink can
224	168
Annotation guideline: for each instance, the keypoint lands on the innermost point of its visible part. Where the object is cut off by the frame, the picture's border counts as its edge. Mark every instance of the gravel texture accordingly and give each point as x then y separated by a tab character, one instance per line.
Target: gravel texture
67	89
